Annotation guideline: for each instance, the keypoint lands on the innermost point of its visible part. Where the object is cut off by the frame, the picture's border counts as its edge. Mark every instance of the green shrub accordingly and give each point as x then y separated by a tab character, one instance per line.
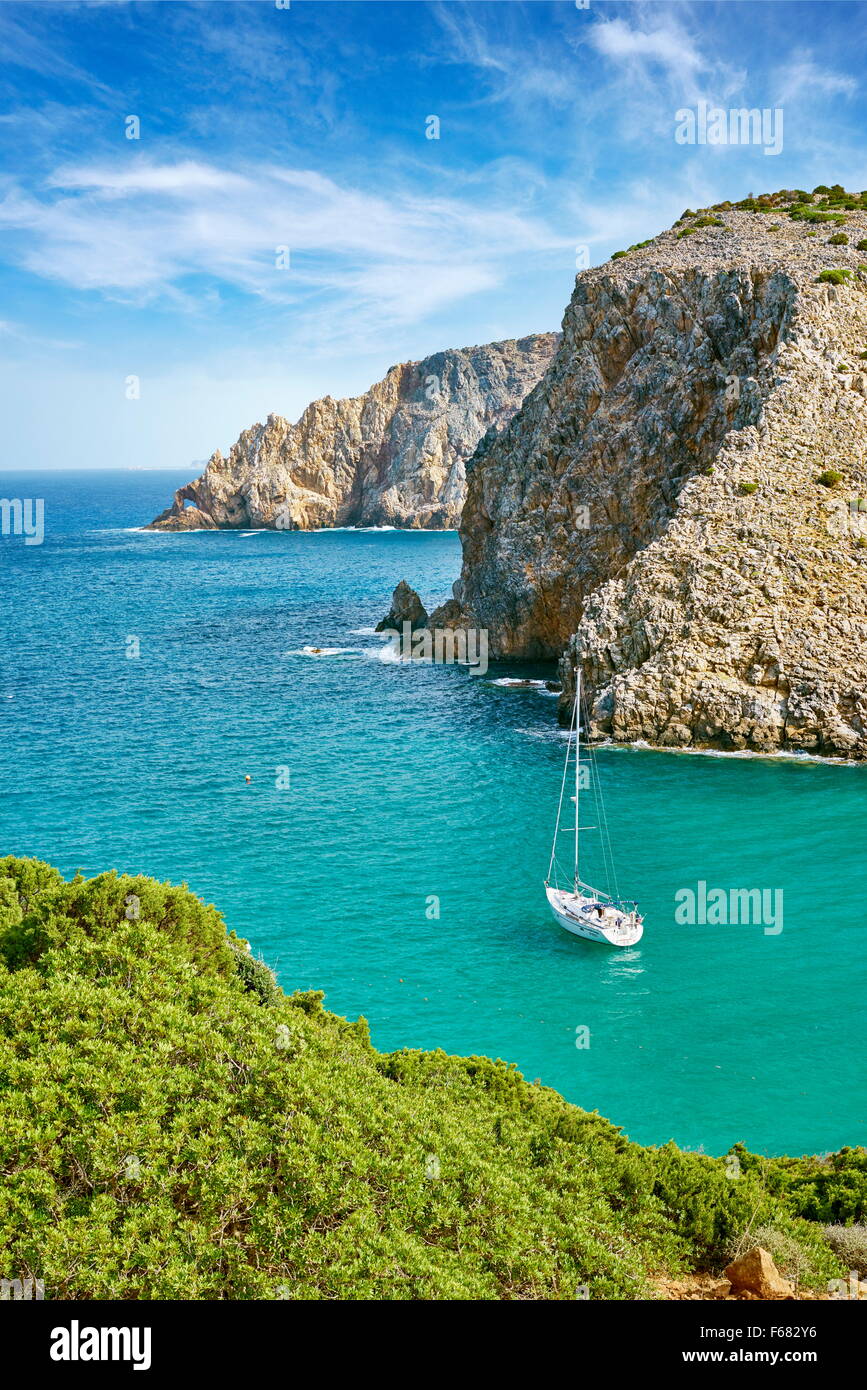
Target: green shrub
861	245
802	213
616	255
829	477
838	276
830	1189
838	239
256	976
173	1126
687	231
709	222
747	489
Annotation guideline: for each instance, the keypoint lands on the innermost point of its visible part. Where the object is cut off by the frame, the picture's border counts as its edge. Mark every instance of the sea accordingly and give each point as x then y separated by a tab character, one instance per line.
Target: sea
391	844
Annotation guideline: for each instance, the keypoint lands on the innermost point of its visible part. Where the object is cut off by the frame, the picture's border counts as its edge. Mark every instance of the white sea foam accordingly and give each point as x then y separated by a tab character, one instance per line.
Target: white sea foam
148	531
522	683
390	653
779	755
325	651
404	530
642	745
545	733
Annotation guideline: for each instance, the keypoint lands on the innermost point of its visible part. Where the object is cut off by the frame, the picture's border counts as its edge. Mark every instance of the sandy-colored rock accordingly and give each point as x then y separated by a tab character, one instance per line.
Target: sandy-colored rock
755	1273
392	457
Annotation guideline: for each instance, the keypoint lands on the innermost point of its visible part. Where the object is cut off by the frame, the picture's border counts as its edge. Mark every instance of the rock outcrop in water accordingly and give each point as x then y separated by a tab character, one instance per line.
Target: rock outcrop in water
675	505
406	607
392	457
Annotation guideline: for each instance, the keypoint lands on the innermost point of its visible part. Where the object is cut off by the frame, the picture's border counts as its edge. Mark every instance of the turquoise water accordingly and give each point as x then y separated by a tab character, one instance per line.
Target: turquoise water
409	782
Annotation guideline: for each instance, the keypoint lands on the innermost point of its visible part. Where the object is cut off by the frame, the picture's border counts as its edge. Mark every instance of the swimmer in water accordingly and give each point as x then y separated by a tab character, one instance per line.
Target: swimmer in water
248	778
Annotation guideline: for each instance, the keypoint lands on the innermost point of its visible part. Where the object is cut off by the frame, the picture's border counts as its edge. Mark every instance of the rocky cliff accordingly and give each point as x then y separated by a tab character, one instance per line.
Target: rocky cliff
675	506
392	457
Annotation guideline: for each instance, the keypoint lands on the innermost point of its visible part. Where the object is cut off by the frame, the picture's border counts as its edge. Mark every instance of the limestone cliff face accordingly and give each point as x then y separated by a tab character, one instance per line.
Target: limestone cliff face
654	510
392	457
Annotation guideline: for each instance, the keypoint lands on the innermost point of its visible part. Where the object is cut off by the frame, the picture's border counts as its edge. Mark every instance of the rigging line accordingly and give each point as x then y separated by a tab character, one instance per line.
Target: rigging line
604	847
606	836
608	842
562	790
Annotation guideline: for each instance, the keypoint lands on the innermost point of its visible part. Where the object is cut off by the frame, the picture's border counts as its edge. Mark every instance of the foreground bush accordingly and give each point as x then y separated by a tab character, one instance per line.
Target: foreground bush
173	1126
849	1243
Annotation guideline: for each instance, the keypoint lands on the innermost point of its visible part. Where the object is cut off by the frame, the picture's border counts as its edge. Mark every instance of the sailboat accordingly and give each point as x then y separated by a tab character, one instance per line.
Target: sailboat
580	908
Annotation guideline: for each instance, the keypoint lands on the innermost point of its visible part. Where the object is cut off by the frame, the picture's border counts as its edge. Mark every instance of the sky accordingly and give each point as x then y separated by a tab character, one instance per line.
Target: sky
284	227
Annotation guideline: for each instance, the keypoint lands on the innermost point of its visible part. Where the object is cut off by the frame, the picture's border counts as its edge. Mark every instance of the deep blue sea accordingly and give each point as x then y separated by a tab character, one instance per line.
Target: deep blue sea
409	783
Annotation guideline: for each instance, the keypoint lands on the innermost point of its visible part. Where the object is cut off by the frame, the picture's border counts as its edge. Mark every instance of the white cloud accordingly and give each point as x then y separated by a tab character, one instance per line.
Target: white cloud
186	178
667	44
516	66
139	231
801	79
656	63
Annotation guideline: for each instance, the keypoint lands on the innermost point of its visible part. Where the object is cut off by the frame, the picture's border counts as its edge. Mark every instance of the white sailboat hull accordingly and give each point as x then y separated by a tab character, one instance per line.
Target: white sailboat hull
580	915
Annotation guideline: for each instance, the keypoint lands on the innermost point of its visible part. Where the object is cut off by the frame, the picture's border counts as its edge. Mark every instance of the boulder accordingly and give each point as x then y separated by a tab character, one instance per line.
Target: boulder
406	607
757	1274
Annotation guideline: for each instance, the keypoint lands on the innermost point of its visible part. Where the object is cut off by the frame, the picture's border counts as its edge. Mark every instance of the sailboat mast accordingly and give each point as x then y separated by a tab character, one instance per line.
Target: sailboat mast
577	761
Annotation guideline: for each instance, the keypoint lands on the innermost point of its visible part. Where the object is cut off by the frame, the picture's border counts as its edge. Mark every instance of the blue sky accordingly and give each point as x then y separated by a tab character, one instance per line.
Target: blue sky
306	127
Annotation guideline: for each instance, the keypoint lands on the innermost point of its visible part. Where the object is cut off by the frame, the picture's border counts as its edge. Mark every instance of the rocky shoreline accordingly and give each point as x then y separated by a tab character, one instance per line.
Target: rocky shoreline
671	494
394	456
